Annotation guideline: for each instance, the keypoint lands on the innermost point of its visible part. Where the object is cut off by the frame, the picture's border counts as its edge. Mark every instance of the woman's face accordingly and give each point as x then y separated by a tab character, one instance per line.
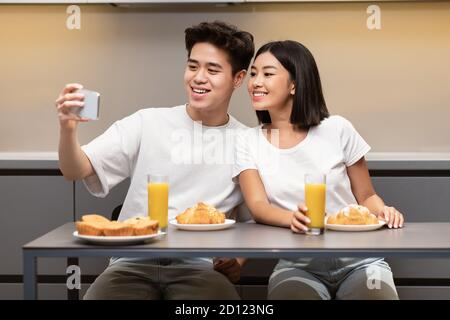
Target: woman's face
270	85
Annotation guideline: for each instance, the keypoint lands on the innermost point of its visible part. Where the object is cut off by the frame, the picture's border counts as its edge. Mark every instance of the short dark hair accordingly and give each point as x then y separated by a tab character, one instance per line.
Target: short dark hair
236	43
309	107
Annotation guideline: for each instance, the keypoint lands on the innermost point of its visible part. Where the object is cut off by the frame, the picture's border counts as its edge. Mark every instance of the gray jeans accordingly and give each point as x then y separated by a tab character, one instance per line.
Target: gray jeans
161	279
332	278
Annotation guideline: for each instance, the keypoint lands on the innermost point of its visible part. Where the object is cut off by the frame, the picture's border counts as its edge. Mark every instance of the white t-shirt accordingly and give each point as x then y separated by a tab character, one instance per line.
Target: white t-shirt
197	159
161	141
328	148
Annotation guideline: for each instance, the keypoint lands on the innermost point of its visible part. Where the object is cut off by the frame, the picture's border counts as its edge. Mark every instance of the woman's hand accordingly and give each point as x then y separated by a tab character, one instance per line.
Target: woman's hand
300	220
393	218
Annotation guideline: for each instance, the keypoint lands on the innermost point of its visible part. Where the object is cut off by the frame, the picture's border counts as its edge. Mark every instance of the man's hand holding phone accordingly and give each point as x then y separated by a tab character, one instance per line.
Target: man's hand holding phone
75	104
72	105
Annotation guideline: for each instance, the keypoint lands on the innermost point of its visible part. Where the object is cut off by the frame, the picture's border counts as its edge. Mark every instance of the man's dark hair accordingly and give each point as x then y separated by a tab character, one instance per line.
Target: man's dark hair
309	107
236	43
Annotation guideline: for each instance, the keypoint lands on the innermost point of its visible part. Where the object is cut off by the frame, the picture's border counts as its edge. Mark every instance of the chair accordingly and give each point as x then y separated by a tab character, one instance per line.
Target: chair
116	212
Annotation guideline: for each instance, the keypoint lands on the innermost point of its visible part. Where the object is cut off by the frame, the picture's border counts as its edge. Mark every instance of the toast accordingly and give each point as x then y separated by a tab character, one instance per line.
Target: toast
96	225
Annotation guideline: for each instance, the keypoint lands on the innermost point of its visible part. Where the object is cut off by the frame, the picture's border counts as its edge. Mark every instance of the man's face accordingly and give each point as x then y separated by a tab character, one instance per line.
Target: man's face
208	78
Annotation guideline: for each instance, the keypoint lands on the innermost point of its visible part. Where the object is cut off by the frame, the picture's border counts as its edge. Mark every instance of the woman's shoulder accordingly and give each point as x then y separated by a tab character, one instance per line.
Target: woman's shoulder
247	136
334	119
334	122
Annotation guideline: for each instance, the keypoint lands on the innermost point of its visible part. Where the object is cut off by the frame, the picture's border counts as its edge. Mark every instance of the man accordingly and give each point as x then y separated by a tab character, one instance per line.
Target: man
149	142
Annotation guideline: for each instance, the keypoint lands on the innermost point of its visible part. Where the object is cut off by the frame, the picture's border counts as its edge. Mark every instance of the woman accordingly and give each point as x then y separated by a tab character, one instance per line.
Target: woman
297	136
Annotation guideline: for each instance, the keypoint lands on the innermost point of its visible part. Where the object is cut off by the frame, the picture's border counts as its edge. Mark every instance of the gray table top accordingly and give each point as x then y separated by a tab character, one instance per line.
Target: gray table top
256	240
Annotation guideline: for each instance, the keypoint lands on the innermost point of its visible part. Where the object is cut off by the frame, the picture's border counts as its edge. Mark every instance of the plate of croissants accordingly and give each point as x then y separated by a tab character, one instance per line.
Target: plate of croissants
353	218
97	229
201	217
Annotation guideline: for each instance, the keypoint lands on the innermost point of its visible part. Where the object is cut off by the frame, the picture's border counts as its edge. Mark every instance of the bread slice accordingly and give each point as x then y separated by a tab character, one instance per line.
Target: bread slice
97	225
89	228
142	225
94	218
136	220
145	227
115	228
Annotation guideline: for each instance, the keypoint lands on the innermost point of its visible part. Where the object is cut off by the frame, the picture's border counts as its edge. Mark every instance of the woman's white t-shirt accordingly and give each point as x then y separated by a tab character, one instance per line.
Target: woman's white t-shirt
329	148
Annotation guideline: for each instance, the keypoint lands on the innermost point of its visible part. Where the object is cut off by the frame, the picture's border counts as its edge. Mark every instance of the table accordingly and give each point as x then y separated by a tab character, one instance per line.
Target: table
416	240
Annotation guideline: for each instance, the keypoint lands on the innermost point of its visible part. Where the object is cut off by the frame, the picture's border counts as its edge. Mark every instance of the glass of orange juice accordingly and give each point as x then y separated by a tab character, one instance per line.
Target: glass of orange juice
158	199
315	193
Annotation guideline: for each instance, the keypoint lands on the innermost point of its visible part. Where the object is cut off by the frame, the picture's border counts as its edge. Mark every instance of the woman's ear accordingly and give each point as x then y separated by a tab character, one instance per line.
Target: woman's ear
292	88
239	78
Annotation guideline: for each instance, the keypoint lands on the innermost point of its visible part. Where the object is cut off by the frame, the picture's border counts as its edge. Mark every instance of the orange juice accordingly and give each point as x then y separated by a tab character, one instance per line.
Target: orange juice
158	202
315	202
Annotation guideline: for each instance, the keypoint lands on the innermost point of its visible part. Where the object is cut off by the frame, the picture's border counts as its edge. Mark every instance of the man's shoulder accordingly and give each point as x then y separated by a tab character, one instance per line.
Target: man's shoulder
236	124
161	114
162	110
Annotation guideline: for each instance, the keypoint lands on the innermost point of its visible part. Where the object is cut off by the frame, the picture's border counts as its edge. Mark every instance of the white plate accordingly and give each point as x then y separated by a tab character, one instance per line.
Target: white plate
348	227
202	227
120	240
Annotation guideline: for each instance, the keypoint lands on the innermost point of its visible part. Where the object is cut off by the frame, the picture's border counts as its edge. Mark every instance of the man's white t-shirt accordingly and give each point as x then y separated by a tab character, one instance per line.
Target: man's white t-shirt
329	148
197	159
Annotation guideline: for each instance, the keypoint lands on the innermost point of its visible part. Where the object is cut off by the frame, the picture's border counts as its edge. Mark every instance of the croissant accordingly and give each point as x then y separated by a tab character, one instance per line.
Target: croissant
353	215
201	213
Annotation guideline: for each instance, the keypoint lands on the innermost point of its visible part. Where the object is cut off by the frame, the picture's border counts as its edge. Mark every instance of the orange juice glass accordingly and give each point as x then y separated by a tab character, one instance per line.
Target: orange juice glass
315	194
158	199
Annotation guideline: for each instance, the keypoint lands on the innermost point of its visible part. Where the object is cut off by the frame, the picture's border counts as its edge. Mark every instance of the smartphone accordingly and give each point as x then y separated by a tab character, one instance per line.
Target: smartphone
91	105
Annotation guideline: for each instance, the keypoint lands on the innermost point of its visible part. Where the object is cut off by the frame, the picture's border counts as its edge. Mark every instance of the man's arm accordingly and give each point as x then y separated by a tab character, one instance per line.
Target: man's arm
73	162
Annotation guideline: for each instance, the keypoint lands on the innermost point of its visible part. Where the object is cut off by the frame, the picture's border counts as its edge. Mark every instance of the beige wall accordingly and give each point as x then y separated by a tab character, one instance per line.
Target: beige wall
393	84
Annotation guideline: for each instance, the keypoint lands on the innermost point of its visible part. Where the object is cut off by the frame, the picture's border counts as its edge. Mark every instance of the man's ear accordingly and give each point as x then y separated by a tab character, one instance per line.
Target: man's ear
239	78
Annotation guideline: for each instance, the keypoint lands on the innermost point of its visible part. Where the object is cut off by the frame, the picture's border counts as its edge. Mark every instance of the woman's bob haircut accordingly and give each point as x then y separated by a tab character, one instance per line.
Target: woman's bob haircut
309	107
